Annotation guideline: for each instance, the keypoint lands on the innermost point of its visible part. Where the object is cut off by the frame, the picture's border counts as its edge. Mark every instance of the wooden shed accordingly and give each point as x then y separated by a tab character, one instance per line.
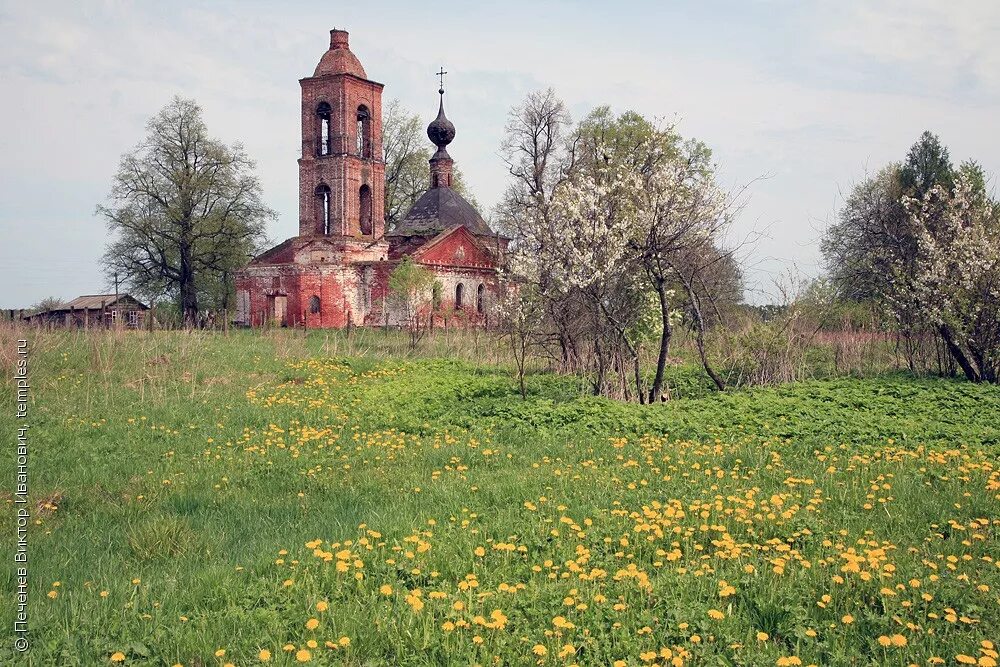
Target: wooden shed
95	310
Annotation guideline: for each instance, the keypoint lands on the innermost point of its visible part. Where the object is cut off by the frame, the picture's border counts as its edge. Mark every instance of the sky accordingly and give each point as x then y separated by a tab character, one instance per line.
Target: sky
800	100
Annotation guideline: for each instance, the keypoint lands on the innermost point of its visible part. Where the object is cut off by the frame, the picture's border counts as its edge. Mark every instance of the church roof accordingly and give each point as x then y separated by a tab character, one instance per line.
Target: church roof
339	59
437	210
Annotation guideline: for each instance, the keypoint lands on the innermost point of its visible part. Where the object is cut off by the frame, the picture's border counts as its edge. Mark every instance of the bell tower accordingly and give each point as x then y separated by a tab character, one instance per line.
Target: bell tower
341	171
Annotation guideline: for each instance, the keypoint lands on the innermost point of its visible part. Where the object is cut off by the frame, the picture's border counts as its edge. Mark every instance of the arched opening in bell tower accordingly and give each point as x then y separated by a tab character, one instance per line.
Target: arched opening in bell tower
323	209
364	132
365	210
324	138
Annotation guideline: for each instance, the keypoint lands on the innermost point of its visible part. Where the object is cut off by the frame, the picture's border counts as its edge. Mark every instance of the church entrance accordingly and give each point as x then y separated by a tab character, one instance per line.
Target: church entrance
279	308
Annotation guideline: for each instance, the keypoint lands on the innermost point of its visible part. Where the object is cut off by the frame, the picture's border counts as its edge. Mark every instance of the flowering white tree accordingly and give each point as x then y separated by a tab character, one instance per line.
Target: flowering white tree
683	217
616	232
955	281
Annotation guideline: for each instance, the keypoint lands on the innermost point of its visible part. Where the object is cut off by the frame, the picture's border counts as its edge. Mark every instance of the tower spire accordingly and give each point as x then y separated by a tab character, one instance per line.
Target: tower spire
441	132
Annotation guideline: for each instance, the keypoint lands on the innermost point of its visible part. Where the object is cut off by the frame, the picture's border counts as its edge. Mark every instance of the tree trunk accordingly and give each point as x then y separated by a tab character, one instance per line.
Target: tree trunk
968	367
699	321
656	389
189	295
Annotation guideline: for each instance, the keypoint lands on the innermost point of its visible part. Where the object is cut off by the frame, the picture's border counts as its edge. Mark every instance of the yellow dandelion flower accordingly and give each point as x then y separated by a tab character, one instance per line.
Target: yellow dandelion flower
303	655
264	655
763	636
846	619
538	649
385	589
117	656
716	615
322	606
312	624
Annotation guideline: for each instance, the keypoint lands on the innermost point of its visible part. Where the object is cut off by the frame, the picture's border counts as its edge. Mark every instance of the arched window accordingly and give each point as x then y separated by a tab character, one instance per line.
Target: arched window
323	208
364	132
365	210
314	304
323	113
459	296
481	299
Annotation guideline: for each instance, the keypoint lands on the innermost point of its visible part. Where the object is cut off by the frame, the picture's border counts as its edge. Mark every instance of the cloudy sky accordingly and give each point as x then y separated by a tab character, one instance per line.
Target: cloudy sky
810	96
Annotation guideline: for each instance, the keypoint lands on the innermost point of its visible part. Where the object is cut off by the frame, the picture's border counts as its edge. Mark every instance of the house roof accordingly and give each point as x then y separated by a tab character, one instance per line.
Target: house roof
438	210
95	301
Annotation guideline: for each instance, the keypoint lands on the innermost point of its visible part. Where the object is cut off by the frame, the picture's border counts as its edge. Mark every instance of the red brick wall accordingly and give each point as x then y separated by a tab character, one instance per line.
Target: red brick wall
343	171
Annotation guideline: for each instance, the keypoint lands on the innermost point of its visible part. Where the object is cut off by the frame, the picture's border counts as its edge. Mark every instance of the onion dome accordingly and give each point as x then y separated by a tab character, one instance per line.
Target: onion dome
441	131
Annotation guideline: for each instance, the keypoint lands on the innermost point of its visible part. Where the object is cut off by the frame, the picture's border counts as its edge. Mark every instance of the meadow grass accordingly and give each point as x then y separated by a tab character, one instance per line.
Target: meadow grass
209	499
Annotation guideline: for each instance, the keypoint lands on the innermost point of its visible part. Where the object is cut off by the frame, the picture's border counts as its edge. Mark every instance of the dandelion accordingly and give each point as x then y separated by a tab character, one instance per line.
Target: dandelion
303	655
846	619
117	656
538	649
312	624
763	636
385	589
264	655
716	615
322	606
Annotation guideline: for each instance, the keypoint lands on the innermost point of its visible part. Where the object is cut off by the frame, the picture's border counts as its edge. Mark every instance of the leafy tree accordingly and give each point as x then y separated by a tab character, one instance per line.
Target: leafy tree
412	286
868	237
927	164
185	208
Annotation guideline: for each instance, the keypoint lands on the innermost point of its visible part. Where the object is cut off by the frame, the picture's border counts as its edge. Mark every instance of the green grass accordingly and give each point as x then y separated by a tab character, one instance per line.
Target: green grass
182	467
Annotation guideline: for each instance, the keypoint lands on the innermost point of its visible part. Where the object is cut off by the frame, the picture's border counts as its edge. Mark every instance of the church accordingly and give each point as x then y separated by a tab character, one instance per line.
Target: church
335	273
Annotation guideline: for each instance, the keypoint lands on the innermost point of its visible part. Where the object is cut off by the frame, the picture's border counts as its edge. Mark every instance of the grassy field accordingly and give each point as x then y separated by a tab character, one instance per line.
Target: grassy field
210	500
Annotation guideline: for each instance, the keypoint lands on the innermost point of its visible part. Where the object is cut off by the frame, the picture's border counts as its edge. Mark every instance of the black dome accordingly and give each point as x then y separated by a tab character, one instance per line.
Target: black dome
441	131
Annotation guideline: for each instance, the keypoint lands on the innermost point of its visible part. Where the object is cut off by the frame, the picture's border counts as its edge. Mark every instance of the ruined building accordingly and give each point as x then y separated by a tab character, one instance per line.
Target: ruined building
335	273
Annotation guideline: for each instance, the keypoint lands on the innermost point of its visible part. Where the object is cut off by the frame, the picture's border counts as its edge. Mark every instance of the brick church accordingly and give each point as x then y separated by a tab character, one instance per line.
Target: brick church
335	273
